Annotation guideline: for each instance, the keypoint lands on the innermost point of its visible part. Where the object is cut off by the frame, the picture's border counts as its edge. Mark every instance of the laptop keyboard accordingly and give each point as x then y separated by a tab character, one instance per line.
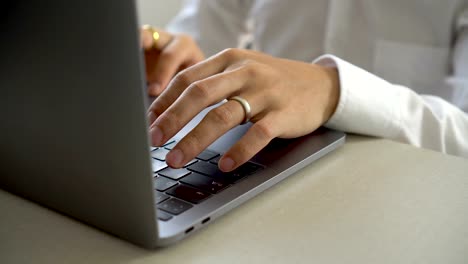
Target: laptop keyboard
178	190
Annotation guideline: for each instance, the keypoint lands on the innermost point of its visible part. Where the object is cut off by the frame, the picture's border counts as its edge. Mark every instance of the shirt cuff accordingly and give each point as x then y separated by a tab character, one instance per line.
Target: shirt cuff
367	105
462	21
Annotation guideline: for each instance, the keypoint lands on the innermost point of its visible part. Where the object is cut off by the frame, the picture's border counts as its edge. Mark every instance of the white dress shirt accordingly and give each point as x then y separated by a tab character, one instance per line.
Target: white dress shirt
403	64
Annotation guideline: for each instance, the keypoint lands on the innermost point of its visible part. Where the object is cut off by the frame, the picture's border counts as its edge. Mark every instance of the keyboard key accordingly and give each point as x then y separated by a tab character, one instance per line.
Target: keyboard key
248	168
215	160
158	165
174	173
205	183
160	197
205	168
211	170
187	193
231	177
160	154
163	216
170	144
174	206
162	183
190	163
206	155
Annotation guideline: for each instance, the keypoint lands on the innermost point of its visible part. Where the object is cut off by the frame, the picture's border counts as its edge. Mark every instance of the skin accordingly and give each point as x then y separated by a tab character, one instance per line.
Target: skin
288	98
171	54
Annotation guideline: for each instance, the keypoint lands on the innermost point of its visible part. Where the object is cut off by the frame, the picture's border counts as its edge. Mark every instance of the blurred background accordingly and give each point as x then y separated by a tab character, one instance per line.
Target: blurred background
157	12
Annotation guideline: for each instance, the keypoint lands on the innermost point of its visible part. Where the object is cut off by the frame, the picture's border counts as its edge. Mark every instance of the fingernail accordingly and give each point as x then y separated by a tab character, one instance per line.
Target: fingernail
156	136
153	89
226	164
175	158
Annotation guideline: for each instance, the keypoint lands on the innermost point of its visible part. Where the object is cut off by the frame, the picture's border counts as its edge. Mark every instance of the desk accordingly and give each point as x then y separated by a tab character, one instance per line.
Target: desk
371	201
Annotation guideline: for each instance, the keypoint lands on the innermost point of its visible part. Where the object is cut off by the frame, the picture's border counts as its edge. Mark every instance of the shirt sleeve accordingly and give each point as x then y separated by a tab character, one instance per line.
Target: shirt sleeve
203	19
459	79
372	106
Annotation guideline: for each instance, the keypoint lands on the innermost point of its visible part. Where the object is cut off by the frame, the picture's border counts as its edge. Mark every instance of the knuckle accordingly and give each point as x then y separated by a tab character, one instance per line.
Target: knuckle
191	143
158	107
263	131
155	110
199	90
252	68
168	55
221	116
231	53
170	121
183	79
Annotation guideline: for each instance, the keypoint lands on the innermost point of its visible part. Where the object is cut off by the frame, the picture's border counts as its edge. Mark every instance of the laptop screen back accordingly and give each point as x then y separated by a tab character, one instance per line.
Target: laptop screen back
73	132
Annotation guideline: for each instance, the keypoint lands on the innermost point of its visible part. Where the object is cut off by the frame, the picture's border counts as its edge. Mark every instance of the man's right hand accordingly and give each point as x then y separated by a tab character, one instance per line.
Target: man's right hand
165	58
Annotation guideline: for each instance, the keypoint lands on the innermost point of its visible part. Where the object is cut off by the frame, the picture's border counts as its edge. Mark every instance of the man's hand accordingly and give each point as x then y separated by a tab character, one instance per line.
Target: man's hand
171	54
287	98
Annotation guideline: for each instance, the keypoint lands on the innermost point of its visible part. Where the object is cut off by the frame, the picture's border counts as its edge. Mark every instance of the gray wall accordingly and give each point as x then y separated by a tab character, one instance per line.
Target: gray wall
157	12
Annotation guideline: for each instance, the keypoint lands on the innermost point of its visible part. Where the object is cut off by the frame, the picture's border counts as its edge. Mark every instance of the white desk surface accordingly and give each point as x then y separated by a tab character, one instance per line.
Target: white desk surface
371	201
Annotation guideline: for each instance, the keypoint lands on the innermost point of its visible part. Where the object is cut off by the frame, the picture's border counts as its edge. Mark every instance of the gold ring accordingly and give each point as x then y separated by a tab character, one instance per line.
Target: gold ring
154	34
246	106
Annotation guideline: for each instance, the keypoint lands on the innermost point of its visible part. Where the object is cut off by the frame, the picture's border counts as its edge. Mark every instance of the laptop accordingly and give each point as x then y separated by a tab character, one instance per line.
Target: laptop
74	134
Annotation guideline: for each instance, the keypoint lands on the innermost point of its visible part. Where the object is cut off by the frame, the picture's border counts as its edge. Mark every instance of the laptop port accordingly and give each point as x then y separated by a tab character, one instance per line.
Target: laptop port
205	220
189	230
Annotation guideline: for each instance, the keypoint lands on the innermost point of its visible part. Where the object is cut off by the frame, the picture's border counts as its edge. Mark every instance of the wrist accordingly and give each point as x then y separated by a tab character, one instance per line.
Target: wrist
332	88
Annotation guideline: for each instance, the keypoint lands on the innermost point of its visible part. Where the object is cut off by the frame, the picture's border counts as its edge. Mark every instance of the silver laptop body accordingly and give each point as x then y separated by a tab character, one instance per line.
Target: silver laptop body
74	130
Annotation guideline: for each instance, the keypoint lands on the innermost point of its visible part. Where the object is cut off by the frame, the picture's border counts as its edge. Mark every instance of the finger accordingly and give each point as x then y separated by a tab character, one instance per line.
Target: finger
168	62
211	66
182	80
217	122
256	138
193	100
154	89
148	41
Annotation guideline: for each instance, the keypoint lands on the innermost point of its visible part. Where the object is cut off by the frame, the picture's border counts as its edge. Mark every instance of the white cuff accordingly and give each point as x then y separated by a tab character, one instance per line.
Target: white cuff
368	105
462	20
